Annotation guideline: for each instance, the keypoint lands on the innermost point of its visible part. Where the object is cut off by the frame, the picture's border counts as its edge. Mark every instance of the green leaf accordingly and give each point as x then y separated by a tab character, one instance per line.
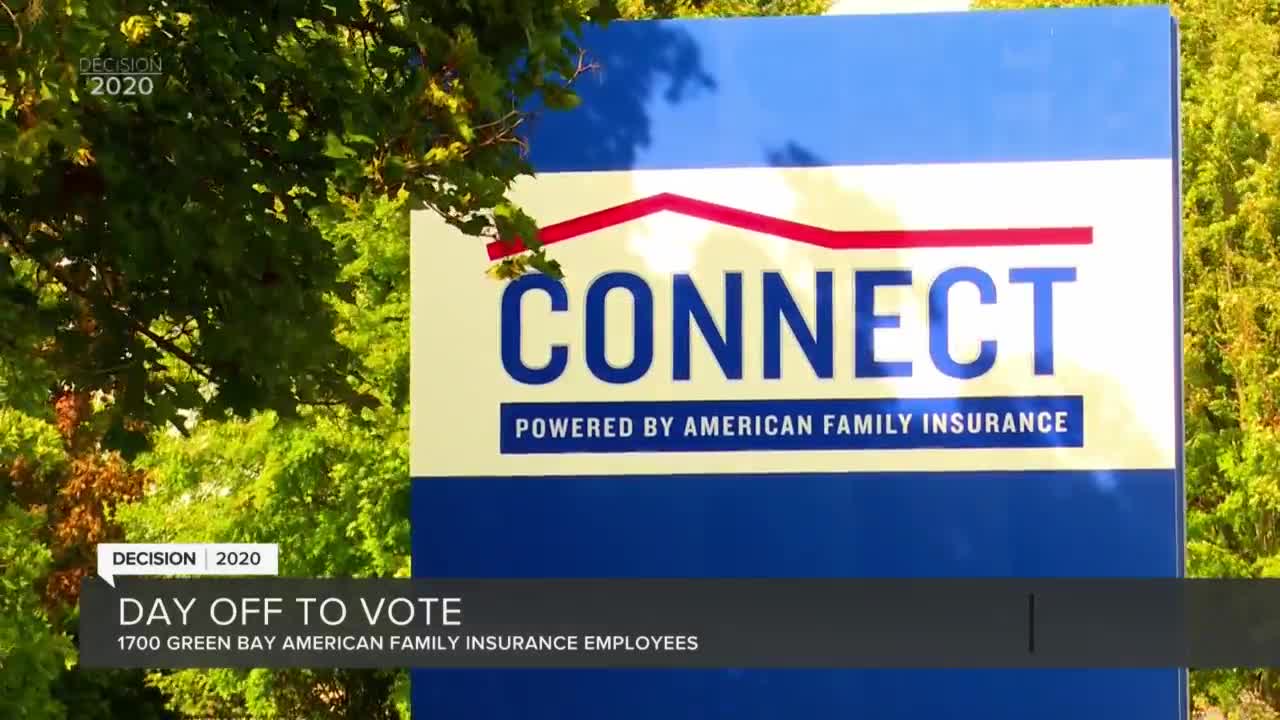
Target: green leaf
335	148
557	98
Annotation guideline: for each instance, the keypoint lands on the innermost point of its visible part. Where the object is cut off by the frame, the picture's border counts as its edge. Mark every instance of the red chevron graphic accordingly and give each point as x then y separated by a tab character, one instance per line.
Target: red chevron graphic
799	232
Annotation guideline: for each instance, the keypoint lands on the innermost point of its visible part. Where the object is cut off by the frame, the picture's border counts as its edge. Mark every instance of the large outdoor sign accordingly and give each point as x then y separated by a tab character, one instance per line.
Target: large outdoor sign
897	297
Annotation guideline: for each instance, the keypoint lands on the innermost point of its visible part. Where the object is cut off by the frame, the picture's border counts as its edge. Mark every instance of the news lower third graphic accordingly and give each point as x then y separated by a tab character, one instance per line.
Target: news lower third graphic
679	623
116	559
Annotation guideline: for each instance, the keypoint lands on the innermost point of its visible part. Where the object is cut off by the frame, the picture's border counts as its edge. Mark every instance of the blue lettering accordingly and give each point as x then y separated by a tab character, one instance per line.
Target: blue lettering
779	307
1042	280
939	335
687	303
866	322
511	330
779	304
642	321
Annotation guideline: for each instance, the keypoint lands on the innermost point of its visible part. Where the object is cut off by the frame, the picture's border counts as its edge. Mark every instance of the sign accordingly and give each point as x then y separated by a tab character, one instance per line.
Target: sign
897	298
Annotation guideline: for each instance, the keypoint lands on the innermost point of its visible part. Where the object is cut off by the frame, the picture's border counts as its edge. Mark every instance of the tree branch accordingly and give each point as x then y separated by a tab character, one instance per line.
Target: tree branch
56	273
16	25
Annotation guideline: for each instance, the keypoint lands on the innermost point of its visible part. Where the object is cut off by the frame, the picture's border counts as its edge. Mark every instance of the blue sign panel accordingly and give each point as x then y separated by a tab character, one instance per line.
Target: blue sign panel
891	296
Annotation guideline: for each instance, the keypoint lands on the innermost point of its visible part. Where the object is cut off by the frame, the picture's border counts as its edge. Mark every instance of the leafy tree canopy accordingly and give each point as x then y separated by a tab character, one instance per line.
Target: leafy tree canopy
650	9
161	247
231	239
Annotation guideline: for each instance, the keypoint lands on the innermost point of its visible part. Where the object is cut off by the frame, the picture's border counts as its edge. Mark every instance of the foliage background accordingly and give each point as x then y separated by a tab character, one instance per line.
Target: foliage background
151	244
138	278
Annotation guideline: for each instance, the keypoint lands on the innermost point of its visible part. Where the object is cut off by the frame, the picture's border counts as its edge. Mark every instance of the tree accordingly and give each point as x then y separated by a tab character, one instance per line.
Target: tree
32	652
225	252
57	493
1231	215
330	487
162	256
160	237
125	303
648	9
